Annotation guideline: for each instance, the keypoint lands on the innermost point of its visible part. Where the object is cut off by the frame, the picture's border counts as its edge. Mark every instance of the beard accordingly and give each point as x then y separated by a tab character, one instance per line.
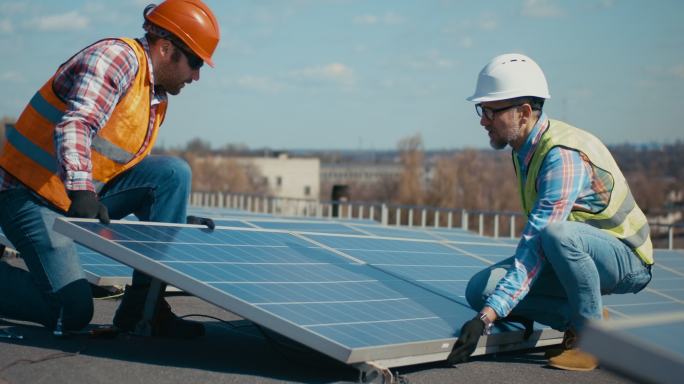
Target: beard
500	142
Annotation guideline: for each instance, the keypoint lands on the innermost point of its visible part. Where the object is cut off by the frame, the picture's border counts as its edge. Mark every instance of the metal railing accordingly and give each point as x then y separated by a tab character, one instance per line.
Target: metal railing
487	223
484	222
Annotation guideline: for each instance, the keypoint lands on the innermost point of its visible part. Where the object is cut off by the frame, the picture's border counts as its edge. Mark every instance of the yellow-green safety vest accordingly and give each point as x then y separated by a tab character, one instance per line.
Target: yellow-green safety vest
622	217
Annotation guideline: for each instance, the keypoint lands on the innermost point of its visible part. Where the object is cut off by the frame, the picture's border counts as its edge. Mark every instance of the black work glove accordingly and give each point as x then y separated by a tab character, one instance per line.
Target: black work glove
85	204
467	341
201	221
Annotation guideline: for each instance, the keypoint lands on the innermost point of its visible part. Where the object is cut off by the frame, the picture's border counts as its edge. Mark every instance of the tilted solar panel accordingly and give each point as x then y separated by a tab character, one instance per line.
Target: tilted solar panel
311	292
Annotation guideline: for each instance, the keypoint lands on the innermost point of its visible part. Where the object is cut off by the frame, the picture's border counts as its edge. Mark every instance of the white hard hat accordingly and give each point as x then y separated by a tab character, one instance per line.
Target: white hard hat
509	76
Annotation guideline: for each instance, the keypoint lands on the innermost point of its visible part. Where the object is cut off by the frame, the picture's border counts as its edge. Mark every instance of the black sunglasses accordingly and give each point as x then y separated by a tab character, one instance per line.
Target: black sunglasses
194	61
489	113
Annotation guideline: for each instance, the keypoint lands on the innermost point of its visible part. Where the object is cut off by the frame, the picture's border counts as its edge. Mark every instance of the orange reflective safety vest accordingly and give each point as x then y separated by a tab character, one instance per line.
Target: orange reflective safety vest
29	151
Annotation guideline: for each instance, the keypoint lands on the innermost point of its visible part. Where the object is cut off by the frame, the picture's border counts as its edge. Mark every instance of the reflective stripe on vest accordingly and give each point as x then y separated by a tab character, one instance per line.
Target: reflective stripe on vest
45	109
54	116
622	217
24	145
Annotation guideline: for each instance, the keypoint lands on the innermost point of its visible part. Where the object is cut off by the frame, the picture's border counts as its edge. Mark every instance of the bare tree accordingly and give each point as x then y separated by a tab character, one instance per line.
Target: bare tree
410	188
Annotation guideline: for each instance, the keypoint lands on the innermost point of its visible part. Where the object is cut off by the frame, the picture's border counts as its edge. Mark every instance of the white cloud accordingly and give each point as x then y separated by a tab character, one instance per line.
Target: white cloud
11	77
488	23
366	19
68	21
466	42
389	18
334	72
259	83
432	60
6	26
541	9
12	7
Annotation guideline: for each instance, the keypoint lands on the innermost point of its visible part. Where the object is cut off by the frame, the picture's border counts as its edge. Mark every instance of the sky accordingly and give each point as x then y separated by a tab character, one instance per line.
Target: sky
363	74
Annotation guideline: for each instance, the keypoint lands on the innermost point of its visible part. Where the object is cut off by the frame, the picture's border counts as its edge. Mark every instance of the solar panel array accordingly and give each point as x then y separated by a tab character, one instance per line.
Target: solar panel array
354	290
356	298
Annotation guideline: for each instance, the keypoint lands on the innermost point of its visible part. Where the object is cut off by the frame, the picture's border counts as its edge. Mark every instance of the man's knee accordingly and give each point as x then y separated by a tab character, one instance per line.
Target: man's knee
475	293
483	283
76	301
555	237
176	171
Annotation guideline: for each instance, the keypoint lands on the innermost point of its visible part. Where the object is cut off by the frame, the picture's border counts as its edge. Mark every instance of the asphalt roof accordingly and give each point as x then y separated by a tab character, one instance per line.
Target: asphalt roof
234	351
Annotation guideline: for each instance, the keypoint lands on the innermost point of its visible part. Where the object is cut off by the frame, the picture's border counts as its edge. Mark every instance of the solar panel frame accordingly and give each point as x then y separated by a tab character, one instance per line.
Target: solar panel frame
401	353
217	297
646	348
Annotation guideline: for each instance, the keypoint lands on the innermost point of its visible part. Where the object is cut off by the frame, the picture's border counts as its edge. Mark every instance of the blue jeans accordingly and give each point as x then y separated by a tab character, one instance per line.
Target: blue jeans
581	264
156	189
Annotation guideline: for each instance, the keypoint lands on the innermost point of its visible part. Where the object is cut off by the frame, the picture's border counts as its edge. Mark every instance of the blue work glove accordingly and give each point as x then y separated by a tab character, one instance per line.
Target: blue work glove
467	341
85	204
201	221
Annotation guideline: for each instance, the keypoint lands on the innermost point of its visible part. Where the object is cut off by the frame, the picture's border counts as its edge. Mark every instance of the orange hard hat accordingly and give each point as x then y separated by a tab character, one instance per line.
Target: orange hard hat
191	21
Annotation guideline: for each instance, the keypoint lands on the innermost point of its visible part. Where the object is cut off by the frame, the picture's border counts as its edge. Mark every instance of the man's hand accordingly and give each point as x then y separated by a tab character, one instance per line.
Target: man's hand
85	204
467	341
201	221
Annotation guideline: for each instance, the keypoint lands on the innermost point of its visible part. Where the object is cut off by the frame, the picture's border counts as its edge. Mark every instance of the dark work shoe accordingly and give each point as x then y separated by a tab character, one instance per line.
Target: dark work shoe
164	323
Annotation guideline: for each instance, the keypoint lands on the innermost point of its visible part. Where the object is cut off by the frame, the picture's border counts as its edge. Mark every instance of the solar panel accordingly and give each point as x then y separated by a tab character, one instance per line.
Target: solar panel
314	293
645	348
101	270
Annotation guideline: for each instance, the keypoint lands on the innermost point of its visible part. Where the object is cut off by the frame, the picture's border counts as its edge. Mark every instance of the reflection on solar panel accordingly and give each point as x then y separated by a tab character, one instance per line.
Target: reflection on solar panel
646	348
354	298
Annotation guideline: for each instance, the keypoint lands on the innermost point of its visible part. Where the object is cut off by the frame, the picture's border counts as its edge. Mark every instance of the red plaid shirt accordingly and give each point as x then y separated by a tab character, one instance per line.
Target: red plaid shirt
91	83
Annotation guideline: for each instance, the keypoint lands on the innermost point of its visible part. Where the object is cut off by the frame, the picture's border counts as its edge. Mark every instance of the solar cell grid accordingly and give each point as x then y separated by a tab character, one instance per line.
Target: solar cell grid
281	260
311	292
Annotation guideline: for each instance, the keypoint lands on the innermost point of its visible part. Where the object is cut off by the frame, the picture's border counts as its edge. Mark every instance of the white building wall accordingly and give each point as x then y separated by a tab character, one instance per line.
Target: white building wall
289	177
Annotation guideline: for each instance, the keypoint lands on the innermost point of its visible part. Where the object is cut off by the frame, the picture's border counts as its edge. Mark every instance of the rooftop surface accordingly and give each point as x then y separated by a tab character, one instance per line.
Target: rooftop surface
234	351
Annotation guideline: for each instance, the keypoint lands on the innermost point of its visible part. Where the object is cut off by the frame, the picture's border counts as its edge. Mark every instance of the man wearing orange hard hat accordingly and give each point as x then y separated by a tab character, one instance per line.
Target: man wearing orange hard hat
81	148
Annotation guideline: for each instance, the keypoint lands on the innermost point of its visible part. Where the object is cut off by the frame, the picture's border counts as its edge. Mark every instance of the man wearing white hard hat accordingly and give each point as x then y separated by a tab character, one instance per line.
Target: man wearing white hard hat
585	236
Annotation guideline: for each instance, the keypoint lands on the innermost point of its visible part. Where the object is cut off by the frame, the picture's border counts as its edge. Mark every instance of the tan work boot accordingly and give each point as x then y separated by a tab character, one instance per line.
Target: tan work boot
551	352
572	358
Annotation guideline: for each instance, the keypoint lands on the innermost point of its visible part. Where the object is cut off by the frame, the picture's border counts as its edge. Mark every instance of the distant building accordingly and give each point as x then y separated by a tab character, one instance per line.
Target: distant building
297	178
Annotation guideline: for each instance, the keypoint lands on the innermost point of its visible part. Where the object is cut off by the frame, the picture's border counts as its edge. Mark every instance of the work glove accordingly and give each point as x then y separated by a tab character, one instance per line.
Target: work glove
201	221
85	204
467	341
